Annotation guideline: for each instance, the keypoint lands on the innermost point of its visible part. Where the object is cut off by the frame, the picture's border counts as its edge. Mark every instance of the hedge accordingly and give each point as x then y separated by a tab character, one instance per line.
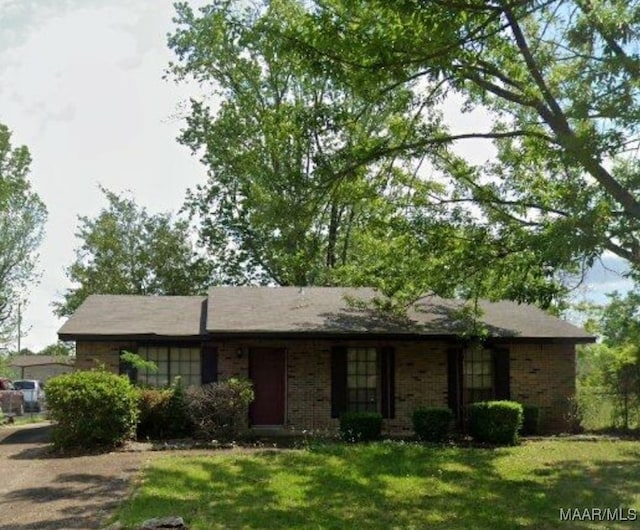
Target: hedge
360	426
432	424
495	422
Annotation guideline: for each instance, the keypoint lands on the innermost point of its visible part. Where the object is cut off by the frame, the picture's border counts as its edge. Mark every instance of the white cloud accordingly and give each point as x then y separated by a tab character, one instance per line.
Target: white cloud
83	90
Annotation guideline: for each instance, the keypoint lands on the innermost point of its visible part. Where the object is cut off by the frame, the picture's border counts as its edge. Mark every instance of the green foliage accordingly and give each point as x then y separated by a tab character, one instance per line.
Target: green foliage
558	83
275	144
22	219
530	420
219	411
91	410
163	413
360	426
138	362
126	250
59	349
616	373
496	422
357	157
432	424
611	368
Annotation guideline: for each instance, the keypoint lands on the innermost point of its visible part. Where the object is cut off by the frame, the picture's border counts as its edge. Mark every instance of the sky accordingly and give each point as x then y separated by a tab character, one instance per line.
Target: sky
81	86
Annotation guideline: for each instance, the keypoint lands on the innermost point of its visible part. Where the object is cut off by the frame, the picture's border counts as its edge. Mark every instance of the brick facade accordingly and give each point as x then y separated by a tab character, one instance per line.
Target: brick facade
542	374
95	354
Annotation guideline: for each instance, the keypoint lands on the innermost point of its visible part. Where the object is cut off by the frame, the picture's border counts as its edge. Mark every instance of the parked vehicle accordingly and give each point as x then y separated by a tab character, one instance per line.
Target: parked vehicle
11	400
33	392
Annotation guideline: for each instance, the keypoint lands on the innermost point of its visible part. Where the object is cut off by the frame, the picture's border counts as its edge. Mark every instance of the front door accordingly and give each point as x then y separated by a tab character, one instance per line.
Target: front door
267	372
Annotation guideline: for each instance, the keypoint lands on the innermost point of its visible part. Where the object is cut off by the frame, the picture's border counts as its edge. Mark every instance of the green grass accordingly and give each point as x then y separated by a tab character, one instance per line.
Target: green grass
391	485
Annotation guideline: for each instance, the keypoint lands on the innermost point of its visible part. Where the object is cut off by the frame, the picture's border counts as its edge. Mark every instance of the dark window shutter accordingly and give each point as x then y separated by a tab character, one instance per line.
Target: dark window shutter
387	382
338	380
501	373
126	368
454	380
209	364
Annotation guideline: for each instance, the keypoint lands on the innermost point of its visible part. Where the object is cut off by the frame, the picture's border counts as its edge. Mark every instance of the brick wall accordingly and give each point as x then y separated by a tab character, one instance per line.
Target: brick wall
93	354
541	374
544	375
421	378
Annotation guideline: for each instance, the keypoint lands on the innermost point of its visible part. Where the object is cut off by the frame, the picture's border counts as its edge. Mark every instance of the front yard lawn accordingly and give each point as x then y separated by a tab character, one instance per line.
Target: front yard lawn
392	485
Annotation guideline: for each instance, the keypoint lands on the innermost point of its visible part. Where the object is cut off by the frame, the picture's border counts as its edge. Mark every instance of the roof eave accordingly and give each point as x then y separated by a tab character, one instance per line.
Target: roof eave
317	334
125	337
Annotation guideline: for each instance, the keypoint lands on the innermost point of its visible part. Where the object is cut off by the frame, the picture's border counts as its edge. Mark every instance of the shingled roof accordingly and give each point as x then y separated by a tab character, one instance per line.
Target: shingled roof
307	311
126	315
334	310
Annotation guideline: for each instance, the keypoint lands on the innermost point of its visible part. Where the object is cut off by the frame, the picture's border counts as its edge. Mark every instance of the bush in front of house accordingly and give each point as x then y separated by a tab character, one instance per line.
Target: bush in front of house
360	426
163	413
530	420
432	424
496	422
91	410
219	411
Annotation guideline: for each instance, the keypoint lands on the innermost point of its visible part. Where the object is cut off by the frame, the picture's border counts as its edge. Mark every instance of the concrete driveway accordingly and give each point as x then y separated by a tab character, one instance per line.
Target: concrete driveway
42	492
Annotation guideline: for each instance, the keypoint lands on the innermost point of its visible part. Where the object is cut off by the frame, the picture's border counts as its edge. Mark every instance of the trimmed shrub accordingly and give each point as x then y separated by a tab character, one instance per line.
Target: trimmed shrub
432	424
91	410
495	422
360	426
163	414
219	411
530	420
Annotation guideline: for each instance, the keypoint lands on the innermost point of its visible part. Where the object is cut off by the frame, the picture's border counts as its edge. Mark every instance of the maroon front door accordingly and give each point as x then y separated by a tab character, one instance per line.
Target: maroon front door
266	371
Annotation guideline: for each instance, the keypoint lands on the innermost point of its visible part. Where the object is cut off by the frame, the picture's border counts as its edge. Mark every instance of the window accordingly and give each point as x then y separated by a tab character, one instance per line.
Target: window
478	375
172	361
362	379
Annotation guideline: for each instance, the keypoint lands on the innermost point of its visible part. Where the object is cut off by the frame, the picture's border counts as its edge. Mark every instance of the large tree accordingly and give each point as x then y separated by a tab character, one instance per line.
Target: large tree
303	186
127	250
271	210
22	219
560	79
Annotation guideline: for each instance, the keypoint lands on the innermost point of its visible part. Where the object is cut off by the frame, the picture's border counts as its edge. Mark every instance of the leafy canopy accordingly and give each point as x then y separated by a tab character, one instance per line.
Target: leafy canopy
127	250
307	181
560	79
22	219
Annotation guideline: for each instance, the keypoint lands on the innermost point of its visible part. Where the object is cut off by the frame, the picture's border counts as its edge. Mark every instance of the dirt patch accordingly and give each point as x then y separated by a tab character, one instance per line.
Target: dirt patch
41	491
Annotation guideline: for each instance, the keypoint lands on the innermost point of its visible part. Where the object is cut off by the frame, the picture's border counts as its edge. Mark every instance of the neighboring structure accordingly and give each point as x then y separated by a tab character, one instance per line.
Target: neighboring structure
315	352
41	367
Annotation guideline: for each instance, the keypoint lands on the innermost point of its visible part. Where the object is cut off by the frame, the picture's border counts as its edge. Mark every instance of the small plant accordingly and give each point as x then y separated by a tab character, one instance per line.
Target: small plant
360	426
530	420
91	409
432	424
495	422
163	413
219	411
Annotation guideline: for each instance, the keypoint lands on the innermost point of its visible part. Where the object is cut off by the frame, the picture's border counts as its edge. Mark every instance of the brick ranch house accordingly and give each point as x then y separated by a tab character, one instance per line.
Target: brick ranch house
312	353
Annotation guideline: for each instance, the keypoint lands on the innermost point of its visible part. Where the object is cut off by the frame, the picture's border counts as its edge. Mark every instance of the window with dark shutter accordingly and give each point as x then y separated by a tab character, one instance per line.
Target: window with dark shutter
209	364
454	378
362	380
338	381
478	375
171	360
501	368
387	382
